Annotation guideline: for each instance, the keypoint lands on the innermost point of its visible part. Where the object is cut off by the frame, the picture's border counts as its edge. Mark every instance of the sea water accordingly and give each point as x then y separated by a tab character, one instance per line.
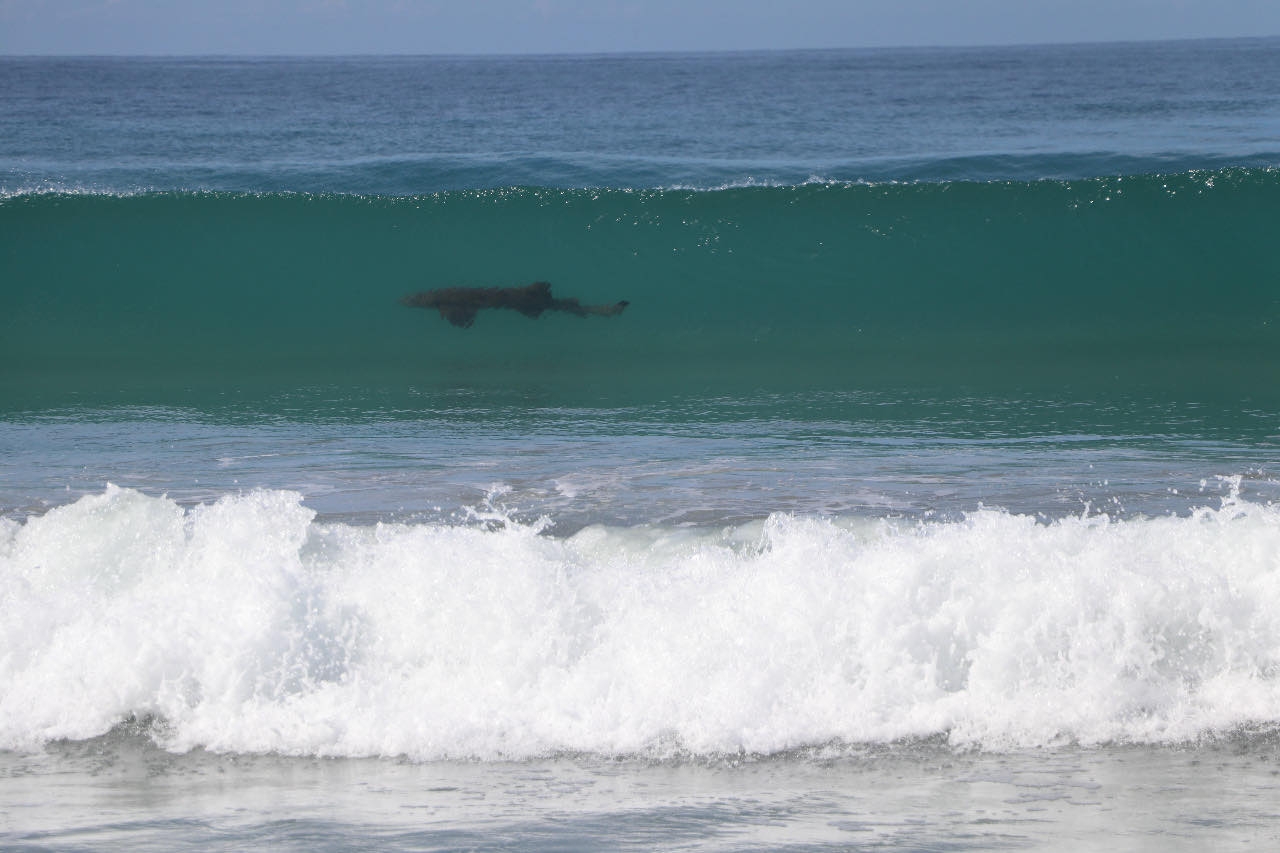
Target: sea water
922	497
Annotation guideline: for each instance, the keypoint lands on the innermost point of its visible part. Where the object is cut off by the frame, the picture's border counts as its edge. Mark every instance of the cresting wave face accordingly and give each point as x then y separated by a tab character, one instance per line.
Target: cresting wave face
244	625
1117	284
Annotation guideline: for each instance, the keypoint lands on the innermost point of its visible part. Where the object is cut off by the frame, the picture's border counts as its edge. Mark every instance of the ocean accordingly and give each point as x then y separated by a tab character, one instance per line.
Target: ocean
820	450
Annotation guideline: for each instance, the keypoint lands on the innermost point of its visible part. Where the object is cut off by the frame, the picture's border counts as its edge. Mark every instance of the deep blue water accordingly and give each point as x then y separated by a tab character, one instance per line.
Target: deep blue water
410	125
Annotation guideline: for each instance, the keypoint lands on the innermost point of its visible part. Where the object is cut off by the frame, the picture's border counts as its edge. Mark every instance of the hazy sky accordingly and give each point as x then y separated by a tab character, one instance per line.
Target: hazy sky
575	26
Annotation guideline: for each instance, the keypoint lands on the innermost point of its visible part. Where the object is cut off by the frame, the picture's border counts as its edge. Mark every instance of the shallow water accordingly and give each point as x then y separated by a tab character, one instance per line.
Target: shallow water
118	791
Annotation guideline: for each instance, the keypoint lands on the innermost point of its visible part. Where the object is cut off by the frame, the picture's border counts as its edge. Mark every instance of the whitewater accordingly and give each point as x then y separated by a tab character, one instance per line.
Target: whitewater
245	626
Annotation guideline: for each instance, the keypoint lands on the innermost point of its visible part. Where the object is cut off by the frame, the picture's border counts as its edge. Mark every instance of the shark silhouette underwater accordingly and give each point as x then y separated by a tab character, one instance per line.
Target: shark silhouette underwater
459	305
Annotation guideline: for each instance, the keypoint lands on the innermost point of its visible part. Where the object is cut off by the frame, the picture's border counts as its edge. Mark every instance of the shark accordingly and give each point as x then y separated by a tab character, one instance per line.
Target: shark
459	305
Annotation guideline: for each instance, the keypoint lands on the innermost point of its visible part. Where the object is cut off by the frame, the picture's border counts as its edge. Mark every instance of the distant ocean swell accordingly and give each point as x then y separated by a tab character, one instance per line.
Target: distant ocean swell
244	625
1136	281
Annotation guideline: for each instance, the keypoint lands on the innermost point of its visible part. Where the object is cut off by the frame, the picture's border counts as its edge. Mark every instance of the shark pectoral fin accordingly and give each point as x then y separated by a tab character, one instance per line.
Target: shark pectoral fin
459	316
608	310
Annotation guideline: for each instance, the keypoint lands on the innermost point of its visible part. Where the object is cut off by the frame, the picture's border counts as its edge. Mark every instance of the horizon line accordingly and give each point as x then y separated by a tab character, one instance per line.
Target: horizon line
589	54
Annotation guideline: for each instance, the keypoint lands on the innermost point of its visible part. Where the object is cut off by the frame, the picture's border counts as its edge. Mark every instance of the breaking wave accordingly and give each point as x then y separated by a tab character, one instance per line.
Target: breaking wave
244	625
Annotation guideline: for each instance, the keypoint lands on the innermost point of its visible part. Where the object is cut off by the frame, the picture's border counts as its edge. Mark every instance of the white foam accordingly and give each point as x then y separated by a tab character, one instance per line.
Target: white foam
244	625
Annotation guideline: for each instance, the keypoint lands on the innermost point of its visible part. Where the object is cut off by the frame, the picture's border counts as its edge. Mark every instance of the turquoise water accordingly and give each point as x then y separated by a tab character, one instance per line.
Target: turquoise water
923	495
1107	285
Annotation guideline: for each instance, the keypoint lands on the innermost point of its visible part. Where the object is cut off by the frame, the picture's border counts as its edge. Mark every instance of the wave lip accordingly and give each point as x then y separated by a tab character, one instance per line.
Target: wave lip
407	176
243	625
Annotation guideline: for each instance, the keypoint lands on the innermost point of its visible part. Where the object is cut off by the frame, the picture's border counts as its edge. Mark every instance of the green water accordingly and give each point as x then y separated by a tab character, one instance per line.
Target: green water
1153	283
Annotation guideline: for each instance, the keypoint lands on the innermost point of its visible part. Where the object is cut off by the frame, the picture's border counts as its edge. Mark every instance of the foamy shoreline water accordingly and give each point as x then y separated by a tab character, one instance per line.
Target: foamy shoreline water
120	790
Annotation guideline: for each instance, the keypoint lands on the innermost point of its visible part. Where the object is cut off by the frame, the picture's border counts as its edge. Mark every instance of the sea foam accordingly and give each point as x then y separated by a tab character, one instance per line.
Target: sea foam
245	625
